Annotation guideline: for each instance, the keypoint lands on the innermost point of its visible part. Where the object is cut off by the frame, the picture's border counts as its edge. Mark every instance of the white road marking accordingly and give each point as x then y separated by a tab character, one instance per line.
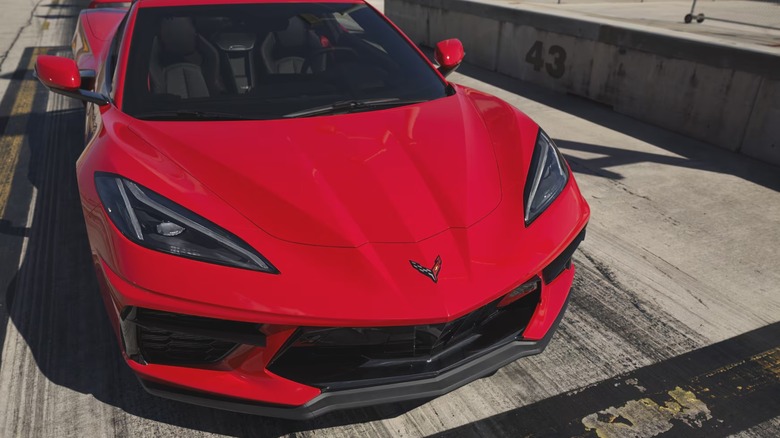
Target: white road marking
28	226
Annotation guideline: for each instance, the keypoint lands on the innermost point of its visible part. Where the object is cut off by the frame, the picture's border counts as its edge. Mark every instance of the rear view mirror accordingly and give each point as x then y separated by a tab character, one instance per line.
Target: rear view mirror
449	54
61	75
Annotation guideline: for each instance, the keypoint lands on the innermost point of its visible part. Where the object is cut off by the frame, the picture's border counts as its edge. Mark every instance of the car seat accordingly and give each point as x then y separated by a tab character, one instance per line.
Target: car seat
182	62
286	51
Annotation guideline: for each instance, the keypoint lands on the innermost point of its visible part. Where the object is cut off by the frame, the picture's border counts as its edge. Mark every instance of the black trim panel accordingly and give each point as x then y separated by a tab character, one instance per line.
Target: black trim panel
563	261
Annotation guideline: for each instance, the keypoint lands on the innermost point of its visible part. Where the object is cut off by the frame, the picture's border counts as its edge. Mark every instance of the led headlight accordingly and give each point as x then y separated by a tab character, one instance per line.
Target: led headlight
547	177
156	223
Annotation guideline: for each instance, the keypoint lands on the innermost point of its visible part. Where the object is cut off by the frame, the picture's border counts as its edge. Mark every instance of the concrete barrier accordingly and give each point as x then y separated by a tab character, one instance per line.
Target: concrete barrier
725	95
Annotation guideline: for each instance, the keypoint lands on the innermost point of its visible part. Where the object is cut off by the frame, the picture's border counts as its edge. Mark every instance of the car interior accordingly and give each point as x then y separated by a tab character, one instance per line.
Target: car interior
212	56
268	60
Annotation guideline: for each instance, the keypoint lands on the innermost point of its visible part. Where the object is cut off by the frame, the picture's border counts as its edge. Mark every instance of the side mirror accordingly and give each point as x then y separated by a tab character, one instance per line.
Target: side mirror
61	75
449	54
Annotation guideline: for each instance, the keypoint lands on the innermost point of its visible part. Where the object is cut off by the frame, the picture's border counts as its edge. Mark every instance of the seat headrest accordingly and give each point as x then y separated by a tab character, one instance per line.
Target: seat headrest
178	35
294	36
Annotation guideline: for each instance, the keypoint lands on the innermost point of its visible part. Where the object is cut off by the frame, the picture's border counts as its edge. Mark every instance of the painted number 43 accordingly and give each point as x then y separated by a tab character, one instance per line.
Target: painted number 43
555	66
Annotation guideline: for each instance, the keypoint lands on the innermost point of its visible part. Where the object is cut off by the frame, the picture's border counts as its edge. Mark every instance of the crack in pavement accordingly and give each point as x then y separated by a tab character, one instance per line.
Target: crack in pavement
18	35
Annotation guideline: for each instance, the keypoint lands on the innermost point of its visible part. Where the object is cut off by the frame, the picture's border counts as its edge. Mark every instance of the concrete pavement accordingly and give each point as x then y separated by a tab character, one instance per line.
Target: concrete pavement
674	324
15	17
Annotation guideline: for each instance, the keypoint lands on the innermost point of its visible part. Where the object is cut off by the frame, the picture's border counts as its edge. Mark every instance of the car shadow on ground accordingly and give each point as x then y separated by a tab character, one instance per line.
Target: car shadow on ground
690	153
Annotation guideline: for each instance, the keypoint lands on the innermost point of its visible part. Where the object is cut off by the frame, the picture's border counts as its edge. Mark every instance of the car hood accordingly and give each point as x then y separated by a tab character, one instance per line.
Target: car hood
396	175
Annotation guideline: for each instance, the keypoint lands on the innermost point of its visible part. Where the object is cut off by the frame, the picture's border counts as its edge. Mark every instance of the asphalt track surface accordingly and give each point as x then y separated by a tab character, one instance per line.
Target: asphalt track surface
673	327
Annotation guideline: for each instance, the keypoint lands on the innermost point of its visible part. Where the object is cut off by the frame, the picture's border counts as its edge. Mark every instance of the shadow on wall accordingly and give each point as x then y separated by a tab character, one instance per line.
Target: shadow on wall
692	154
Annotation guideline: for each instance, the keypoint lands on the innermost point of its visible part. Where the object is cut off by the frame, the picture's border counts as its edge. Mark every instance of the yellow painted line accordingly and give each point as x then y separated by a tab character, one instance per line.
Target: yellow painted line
770	361
16	128
646	418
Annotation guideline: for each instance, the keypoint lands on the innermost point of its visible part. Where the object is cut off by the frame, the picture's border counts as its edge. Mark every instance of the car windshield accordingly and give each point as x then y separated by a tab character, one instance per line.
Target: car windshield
269	61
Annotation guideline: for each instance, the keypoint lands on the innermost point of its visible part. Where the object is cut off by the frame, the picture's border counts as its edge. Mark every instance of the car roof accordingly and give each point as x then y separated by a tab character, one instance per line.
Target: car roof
162	3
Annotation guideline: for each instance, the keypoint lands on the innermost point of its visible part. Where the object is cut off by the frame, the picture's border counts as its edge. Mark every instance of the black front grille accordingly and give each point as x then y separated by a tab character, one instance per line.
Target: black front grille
341	358
164	347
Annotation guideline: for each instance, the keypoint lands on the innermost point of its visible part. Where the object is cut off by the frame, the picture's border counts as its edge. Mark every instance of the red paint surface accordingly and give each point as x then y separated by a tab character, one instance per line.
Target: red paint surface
449	53
58	72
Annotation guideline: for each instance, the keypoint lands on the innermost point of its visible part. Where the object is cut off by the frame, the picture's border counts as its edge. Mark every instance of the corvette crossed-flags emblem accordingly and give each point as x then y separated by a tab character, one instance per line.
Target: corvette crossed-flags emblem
432	272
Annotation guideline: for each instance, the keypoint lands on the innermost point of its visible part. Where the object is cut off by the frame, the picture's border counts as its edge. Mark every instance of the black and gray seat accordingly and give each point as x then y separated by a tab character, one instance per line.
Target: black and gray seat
182	62
286	51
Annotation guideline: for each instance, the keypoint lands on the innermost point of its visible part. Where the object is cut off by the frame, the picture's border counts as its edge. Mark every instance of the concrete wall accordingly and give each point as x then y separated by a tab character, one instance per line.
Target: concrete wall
724	95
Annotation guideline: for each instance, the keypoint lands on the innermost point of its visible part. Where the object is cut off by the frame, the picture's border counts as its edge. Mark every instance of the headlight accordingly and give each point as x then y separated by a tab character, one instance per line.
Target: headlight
156	223
547	177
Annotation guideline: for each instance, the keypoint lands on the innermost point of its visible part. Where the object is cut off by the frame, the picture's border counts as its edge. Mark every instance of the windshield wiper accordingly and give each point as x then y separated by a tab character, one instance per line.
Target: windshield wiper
348	106
191	115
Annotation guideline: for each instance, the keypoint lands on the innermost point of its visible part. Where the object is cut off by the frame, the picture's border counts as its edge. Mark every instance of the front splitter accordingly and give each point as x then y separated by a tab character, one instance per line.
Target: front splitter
361	397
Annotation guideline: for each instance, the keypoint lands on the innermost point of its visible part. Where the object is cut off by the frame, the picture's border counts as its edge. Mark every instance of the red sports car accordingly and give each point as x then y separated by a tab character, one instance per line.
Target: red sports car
292	211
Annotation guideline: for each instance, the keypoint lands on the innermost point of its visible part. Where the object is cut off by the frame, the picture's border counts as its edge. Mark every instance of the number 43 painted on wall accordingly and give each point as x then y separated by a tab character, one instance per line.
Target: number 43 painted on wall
557	55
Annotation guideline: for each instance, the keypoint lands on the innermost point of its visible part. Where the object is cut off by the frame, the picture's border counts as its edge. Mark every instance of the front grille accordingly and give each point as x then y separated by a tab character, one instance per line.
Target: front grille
164	347
339	358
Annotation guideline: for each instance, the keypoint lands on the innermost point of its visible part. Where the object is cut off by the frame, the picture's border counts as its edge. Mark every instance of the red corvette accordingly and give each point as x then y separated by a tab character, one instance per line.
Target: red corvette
292	211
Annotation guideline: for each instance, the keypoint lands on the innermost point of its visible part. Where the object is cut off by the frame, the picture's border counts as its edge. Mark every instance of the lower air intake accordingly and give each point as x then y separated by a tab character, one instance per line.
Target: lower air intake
164	347
154	336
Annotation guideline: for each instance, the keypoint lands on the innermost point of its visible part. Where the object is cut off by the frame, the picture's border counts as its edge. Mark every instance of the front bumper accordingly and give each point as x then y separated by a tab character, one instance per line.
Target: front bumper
246	381
360	397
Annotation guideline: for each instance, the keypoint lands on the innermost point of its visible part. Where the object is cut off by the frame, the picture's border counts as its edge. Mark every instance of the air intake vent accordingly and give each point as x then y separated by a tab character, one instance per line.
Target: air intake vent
153	336
164	347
